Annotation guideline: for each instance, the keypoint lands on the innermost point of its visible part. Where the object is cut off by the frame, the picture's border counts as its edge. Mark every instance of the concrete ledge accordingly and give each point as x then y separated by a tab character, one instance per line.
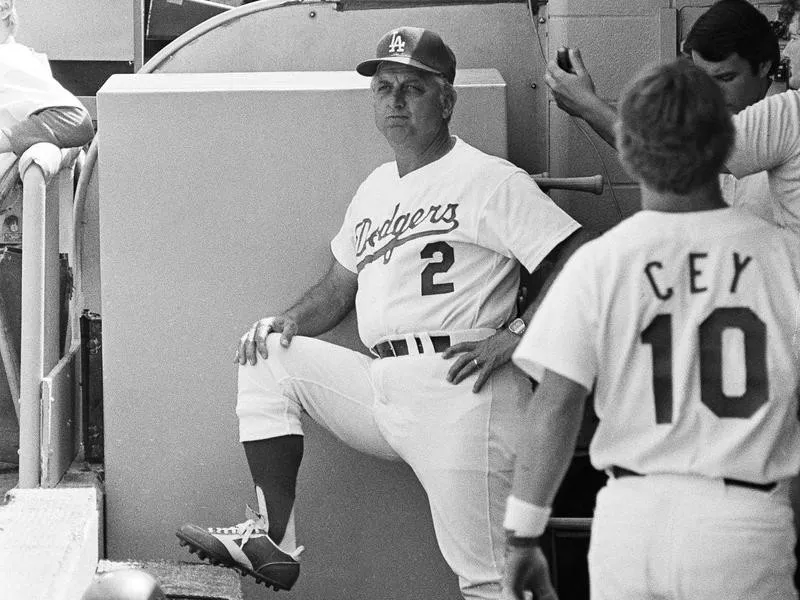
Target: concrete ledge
185	581
48	543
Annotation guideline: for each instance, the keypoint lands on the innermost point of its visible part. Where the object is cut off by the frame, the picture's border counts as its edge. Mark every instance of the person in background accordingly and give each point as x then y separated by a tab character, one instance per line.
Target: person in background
735	44
683	319
34	107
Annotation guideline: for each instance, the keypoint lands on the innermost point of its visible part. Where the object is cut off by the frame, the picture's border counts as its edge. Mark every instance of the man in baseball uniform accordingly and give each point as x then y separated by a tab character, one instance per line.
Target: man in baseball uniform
685	321
428	255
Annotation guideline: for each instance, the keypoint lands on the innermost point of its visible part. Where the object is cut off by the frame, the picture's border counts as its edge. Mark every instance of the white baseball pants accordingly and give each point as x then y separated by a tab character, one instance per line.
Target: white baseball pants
459	444
673	537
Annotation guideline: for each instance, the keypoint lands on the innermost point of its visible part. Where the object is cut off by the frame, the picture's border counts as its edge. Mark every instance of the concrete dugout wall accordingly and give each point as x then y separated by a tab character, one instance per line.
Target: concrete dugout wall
314	36
81	29
617	38
220	194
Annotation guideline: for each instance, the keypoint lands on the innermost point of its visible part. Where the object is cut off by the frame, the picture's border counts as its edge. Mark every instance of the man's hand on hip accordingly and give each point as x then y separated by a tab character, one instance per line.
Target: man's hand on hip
254	341
483	357
527	575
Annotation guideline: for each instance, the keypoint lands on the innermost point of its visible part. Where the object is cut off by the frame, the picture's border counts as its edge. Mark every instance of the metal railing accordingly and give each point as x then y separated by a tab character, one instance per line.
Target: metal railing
45	377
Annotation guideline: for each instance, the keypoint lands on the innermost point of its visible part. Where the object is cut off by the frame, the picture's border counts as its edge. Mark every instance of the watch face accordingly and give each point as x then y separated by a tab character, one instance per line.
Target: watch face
517	326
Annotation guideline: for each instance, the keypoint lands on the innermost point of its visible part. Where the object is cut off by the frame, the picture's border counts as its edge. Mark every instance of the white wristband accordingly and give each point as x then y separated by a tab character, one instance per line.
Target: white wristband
525	519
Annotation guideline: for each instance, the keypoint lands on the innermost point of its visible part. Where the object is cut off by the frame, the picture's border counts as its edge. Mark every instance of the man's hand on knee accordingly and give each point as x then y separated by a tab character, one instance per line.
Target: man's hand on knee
254	341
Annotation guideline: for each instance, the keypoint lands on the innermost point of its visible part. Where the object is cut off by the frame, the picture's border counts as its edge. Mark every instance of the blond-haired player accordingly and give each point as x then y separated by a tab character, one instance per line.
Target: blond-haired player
685	321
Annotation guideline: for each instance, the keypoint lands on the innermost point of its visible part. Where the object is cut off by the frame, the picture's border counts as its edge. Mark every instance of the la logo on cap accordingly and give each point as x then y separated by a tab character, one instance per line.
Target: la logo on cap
397	45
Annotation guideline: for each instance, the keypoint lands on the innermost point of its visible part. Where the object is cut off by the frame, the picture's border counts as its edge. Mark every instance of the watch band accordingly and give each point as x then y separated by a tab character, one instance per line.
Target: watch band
517	326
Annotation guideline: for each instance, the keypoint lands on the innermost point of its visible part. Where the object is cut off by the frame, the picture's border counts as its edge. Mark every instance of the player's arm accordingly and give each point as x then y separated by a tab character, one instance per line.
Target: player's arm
554	264
321	308
63	126
486	356
548	434
575	94
766	135
546	443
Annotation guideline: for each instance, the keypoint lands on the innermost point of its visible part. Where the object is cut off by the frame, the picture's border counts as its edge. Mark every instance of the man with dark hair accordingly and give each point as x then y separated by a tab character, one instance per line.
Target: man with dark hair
734	43
683	319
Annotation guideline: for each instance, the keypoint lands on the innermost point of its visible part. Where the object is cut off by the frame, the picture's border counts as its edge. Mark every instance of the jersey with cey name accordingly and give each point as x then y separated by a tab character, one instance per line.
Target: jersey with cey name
768	139
439	248
687	326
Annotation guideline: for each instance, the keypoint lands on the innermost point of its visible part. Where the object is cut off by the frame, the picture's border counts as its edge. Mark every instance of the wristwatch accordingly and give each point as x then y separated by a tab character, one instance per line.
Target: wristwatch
517	326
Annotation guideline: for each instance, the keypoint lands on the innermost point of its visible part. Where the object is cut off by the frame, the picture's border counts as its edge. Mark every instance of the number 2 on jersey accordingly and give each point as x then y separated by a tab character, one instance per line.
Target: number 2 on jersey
659	335
429	288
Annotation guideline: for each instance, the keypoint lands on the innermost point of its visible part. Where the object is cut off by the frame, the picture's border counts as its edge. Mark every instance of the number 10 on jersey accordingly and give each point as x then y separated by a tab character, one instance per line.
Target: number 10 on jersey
658	335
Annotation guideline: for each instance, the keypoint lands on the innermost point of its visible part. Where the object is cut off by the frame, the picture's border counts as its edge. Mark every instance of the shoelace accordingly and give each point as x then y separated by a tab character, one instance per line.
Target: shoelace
250	526
244	529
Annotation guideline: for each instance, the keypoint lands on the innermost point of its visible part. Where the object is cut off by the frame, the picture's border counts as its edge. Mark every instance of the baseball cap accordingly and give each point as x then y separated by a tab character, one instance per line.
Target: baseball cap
413	46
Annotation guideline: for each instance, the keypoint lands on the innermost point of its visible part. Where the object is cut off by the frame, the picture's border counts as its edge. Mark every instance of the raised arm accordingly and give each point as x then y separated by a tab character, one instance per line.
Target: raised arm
321	308
575	94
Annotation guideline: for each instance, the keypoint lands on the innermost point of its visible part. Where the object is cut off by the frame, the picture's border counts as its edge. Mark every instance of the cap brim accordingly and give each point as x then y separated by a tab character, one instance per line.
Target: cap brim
369	67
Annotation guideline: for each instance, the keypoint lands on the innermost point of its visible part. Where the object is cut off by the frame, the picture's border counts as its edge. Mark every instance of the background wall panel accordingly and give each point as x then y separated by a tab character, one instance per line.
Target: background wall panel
199	240
80	29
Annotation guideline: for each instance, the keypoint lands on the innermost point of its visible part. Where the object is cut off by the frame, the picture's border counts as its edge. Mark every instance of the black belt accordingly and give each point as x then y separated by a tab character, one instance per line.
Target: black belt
619	472
399	347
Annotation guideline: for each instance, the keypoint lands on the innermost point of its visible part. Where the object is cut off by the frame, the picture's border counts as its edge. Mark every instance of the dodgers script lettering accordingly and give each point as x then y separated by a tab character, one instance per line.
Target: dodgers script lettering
373	242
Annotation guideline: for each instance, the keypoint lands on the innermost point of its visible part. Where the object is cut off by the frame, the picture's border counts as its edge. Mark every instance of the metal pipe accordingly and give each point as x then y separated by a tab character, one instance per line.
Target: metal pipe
34	194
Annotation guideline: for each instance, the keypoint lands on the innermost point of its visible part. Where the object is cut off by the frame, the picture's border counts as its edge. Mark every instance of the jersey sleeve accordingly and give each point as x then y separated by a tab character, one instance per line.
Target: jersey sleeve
562	334
343	244
520	220
63	126
767	134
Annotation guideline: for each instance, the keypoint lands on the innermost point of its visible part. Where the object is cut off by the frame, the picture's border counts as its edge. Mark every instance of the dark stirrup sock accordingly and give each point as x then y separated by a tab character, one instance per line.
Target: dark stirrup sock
274	464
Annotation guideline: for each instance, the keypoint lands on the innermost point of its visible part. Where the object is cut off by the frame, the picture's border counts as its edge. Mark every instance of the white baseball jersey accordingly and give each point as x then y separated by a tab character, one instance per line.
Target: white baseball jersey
27	85
751	193
439	249
768	139
687	326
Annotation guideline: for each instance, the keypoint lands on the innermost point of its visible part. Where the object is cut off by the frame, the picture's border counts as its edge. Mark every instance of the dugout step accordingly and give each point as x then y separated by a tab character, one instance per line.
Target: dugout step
183	580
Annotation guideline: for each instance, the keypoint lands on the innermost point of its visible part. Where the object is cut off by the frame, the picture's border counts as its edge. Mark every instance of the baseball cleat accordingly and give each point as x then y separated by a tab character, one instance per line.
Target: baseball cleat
245	547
